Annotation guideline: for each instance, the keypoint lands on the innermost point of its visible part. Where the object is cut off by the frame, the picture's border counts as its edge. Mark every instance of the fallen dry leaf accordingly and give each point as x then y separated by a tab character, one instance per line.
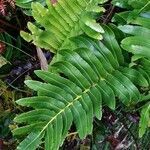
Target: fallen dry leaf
42	59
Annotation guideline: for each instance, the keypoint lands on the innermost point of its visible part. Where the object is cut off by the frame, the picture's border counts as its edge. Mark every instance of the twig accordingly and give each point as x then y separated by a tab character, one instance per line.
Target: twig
16	79
17	89
17	49
109	16
9	25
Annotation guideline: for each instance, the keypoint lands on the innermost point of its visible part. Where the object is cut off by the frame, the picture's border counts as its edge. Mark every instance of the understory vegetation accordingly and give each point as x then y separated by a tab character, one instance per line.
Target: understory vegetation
74	74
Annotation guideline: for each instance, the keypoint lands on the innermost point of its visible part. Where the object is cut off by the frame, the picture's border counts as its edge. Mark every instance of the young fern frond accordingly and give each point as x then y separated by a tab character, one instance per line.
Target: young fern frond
92	78
63	20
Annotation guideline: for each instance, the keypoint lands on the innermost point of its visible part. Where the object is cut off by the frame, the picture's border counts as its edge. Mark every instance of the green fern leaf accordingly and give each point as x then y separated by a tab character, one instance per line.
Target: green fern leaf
31	142
132	44
25	5
63	20
144	120
94	73
77	98
140	50
132	74
139	45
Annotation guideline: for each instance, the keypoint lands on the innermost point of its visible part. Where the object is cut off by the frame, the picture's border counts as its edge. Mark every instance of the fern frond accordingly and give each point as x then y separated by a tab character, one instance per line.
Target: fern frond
132	44
63	20
139	50
93	77
137	43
